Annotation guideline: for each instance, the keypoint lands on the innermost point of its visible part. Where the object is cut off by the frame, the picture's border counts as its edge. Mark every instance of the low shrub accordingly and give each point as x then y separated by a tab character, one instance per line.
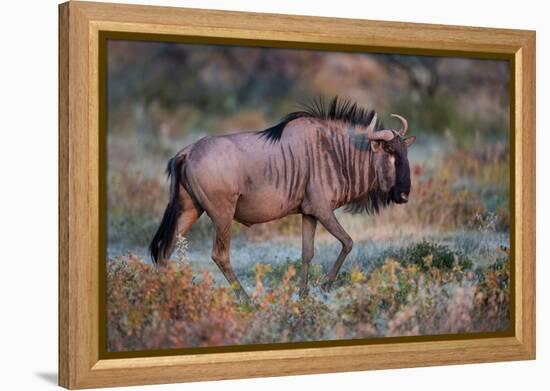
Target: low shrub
426	290
426	255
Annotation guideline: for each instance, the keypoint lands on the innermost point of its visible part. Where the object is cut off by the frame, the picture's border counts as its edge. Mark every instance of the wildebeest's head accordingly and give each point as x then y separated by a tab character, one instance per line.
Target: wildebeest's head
389	160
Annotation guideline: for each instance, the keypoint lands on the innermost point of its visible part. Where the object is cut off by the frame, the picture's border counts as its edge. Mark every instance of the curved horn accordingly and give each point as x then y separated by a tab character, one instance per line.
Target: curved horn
384	135
404	123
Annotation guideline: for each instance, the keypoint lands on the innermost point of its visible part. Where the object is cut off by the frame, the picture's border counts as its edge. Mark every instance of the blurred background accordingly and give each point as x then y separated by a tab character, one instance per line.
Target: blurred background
163	96
438	264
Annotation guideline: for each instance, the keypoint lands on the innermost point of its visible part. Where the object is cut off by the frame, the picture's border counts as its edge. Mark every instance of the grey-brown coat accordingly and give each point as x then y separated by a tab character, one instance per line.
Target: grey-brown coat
311	163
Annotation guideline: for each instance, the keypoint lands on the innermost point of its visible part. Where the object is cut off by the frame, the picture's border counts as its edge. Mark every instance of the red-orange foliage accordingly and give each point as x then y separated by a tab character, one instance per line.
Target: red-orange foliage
149	308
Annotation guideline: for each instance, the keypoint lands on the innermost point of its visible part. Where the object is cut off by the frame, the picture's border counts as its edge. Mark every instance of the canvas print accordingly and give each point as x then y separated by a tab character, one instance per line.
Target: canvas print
287	196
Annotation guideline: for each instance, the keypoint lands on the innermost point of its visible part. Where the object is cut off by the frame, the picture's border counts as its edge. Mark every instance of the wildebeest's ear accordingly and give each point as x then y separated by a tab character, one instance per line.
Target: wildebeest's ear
409	140
376	146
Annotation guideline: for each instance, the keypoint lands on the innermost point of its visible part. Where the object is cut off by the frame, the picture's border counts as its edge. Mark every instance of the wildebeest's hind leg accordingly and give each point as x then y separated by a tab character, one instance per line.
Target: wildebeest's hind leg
221	247
309	223
328	220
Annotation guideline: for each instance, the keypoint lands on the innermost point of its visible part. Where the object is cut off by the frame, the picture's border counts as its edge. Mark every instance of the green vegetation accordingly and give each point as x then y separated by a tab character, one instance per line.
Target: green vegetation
426	255
424	292
442	116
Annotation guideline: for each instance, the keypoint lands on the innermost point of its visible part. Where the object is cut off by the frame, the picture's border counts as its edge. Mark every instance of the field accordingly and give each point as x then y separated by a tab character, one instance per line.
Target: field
436	265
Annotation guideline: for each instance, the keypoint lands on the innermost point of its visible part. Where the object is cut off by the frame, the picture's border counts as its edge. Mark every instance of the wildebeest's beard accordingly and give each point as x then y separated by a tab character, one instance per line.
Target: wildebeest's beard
373	200
371	203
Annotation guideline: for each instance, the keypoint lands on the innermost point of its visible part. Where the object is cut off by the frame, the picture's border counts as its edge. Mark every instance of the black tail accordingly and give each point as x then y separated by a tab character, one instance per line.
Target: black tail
165	233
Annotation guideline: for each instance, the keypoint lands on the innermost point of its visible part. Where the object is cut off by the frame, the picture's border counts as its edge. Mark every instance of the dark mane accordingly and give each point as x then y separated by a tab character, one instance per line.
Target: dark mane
336	109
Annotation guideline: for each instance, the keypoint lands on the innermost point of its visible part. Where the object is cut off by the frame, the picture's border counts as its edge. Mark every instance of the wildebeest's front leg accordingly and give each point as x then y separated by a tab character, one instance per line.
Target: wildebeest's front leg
220	254
309	223
328	220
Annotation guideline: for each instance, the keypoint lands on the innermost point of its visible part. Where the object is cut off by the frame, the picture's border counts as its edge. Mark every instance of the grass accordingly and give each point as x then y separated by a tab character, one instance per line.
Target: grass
437	265
427	289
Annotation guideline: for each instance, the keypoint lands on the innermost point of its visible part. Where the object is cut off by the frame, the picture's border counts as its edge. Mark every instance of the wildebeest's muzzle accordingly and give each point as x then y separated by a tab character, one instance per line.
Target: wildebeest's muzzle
399	196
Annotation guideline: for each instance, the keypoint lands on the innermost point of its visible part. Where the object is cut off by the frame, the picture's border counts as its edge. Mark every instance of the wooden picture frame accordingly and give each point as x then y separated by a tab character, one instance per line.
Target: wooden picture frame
80	27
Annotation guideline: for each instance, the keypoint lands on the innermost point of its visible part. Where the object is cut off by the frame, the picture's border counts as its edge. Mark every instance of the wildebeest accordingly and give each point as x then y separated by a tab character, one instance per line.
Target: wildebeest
312	162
